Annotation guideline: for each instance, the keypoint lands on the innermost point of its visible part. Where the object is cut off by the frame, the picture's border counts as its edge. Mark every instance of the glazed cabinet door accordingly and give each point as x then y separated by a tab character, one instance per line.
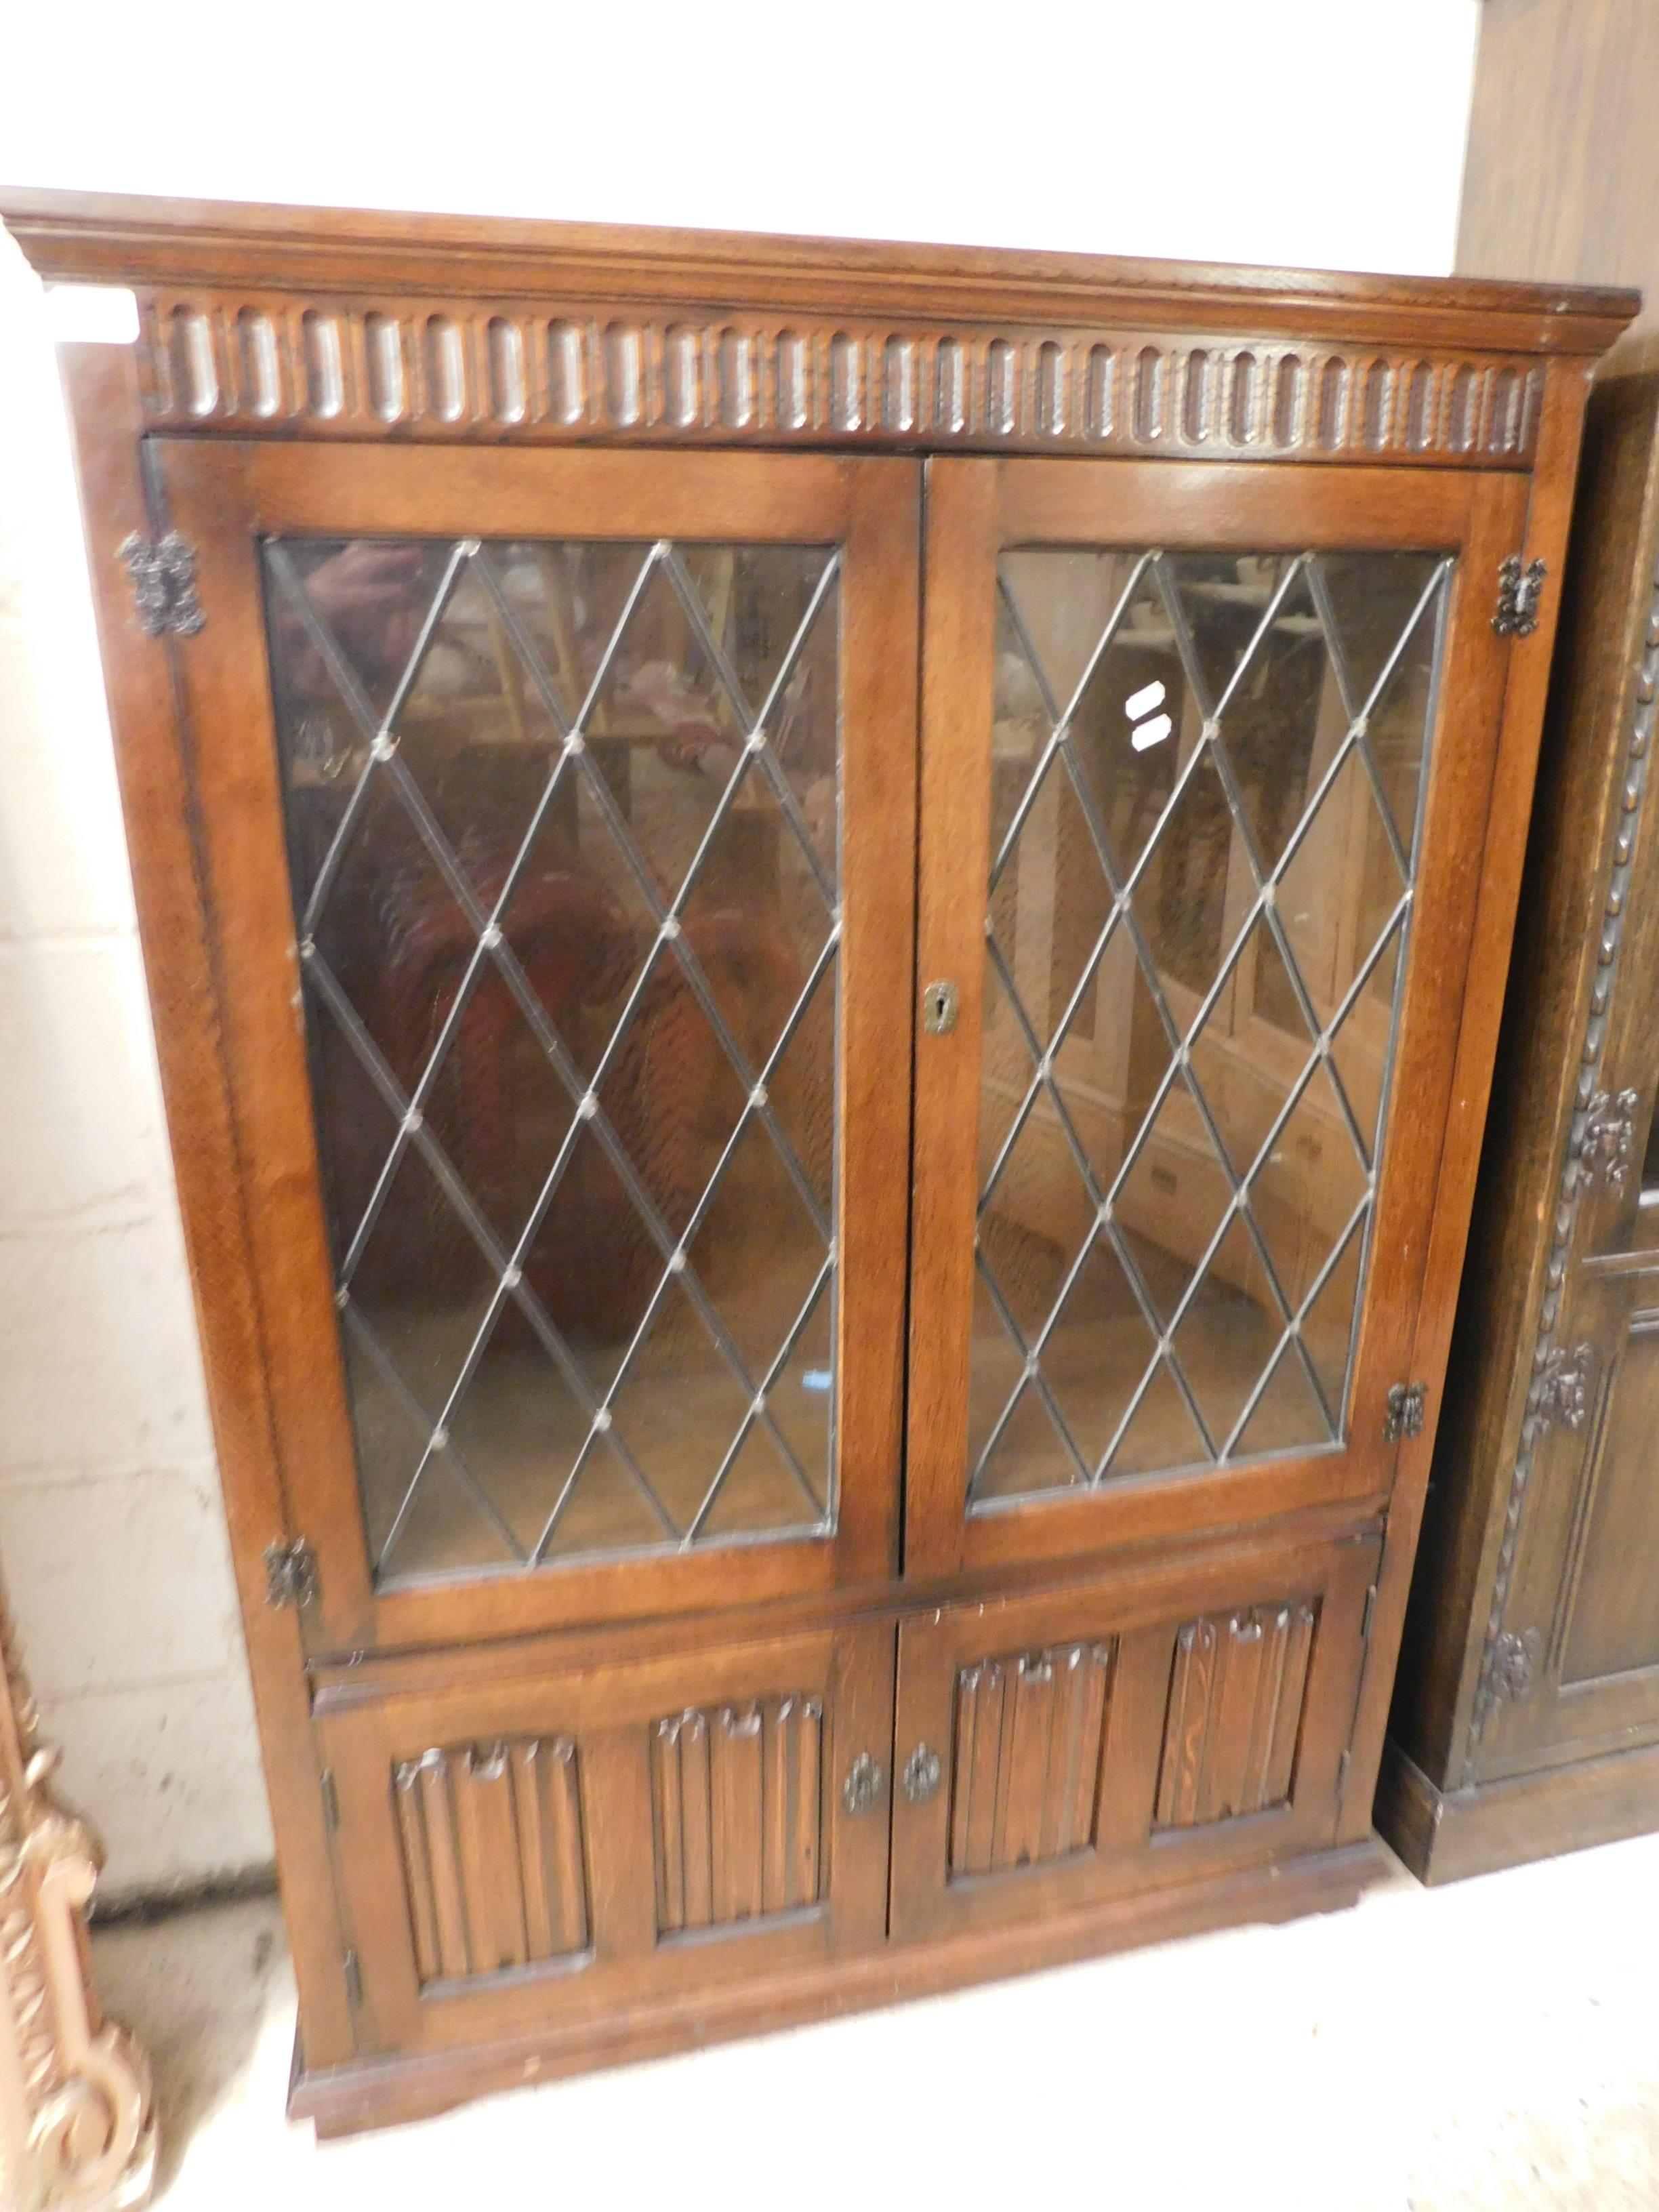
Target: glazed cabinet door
1152	1729
1206	758
556	817
564	1846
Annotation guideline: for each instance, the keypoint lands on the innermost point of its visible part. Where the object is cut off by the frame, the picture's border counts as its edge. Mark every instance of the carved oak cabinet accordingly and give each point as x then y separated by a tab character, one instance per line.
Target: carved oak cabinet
1527	1713
826	924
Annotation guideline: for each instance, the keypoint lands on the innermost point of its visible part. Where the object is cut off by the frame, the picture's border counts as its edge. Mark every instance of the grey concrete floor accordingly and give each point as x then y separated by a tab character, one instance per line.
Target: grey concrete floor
1491	2045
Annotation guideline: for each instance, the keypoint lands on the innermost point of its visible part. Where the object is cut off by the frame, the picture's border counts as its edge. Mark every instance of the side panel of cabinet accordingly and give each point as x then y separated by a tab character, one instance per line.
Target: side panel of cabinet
560	1845
1116	1736
1578	1665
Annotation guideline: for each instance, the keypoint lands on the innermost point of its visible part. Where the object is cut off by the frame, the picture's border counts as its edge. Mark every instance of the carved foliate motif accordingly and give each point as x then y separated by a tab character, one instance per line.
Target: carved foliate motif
1514	1666
1606	1140
77	2131
1561	1392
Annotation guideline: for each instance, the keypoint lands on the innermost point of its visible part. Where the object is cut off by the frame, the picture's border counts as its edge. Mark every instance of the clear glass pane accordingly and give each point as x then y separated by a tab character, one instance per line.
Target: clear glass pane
563	824
1206	771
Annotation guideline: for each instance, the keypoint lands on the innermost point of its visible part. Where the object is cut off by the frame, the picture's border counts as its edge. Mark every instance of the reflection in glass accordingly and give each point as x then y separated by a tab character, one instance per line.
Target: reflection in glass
563	834
1206	779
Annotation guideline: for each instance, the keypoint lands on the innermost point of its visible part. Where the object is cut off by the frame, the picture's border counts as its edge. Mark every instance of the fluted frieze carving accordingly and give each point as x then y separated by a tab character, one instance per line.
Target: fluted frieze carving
517	373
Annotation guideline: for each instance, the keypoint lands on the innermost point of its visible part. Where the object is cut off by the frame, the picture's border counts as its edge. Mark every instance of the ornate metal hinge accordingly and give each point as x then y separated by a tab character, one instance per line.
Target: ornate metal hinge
1406	1401
1520	587
163	573
1606	1139
290	1573
1561	1391
1512	1669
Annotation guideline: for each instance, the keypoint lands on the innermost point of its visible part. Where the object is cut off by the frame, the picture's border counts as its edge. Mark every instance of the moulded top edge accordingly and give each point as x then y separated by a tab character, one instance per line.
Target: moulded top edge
93	237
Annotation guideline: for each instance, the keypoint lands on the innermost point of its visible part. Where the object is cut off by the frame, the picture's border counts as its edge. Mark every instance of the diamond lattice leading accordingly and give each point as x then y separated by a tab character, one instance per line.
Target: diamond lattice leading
564	828
1205	781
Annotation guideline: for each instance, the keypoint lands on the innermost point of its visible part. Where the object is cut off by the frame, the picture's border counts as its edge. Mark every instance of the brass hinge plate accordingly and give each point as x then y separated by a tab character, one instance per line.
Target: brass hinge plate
290	1573
330	1800
1520	587
1407	1402
353	1981
1369	1609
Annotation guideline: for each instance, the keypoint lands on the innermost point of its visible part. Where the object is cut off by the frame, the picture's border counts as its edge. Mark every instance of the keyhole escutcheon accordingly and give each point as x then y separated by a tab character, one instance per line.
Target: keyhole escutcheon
939	1008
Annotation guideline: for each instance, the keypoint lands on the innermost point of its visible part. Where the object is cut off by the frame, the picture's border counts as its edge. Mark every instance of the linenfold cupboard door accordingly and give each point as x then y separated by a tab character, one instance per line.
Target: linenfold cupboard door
1206	750
1137	1729
557	813
558	1845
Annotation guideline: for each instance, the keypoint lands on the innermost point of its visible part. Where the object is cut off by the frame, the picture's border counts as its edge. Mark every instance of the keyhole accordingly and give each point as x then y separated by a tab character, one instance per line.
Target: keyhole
939	1008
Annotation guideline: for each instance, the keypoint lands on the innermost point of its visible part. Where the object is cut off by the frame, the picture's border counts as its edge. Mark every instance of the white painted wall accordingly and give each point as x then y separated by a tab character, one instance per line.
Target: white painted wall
1282	130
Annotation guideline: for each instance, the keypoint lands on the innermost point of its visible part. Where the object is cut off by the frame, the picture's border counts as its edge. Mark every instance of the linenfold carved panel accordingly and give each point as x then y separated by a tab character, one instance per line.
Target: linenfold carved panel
492	1840
738	1793
514	372
1025	1769
1235	1713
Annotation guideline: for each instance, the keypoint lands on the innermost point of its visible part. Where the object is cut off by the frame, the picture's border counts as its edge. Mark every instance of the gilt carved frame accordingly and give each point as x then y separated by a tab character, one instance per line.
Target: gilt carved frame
77	2127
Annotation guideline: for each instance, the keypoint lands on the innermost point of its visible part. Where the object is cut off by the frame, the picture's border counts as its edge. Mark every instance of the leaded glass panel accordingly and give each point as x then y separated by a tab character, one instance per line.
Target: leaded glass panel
563	827
1206	780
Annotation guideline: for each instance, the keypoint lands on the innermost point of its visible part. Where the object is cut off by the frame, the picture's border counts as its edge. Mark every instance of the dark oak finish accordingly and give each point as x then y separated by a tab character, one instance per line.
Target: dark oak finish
320	323
1527	1692
101	389
380	2093
1448	1833
713	1839
224	499
536	1817
1105	1739
974	507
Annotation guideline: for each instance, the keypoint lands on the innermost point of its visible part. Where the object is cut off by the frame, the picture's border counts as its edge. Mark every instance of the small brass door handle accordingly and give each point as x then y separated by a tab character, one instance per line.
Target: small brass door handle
939	1002
862	1787
922	1772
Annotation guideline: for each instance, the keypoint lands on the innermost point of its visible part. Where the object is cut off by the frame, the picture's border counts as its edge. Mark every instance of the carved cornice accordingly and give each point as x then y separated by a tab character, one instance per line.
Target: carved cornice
272	321
155	243
1559	1383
